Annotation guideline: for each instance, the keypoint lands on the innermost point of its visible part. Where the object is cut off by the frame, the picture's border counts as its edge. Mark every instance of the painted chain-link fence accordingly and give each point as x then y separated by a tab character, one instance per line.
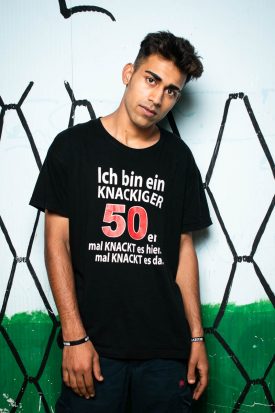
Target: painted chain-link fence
239	338
30	359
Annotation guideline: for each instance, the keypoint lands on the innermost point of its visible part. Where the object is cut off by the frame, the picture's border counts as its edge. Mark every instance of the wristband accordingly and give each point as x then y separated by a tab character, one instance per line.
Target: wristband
76	342
196	339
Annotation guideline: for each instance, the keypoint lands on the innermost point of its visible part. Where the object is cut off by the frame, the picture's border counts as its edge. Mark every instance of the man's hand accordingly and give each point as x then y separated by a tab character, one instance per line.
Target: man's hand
80	362
198	369
79	365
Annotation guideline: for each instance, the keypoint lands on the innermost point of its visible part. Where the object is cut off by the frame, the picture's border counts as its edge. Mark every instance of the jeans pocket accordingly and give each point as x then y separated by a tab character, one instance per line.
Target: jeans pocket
61	407
181	402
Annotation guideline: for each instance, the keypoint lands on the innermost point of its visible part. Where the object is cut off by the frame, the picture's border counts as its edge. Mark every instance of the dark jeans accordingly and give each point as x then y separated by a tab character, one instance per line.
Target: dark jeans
153	386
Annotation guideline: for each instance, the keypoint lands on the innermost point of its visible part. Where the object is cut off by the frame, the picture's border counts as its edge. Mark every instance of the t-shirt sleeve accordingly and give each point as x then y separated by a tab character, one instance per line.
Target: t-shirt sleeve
195	209
51	188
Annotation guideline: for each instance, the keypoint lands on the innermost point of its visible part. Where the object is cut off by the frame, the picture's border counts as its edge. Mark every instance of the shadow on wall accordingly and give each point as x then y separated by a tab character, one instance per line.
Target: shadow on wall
187	104
201	237
36	375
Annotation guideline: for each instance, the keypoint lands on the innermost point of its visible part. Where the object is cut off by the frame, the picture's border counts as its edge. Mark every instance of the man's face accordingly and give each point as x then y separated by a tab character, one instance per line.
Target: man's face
152	90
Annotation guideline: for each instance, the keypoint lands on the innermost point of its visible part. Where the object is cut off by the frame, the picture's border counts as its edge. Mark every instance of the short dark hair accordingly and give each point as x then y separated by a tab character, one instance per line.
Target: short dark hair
171	47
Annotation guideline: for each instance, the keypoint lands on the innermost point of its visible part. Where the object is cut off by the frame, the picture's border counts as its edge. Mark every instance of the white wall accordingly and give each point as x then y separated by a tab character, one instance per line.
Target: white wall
235	39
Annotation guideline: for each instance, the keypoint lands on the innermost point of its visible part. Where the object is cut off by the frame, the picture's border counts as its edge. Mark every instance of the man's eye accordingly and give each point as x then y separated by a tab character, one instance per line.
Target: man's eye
172	92
150	80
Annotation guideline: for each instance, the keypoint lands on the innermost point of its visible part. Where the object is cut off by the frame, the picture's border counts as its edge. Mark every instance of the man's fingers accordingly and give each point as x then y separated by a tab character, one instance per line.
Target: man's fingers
81	385
197	392
96	368
65	375
191	374
88	379
201	386
79	366
73	384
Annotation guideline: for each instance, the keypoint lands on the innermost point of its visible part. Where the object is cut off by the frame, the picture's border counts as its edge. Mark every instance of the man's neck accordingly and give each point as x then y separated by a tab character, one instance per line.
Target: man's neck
121	128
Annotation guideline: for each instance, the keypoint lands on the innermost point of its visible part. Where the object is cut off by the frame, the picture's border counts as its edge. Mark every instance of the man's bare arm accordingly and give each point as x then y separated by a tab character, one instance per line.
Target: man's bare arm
188	281
79	362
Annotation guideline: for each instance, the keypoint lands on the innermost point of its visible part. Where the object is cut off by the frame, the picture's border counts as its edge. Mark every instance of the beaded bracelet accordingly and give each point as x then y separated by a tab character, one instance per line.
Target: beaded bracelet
76	342
195	339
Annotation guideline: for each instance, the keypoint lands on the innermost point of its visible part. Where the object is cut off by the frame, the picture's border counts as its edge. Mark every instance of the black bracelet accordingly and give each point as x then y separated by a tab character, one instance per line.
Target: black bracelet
76	342
195	339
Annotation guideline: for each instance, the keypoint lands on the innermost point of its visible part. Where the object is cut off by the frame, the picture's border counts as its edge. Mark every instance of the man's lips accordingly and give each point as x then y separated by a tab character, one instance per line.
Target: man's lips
147	111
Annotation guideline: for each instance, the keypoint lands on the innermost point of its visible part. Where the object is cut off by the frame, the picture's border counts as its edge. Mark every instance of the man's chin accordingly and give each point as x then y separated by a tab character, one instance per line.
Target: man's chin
145	123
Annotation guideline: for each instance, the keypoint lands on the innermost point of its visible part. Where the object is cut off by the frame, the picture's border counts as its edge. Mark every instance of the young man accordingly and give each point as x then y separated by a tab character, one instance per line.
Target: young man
121	197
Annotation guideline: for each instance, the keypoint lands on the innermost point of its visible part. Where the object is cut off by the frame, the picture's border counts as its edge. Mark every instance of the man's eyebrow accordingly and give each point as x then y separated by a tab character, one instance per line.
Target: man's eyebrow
157	77
173	87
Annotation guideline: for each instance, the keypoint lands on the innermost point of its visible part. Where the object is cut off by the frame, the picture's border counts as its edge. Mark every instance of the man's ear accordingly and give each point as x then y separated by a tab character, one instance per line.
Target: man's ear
127	73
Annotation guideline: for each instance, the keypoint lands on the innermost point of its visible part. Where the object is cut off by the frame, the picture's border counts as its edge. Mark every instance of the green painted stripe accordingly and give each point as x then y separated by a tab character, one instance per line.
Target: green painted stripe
249	330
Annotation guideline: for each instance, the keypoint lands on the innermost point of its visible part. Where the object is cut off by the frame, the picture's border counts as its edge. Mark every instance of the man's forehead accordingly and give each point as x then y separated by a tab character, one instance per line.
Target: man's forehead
163	69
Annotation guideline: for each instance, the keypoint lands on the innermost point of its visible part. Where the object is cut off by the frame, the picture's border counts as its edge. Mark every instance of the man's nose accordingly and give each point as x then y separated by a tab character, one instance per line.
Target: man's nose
156	96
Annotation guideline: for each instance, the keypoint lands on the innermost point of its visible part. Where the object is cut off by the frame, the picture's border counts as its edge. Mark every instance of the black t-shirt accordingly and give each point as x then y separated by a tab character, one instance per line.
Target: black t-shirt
127	209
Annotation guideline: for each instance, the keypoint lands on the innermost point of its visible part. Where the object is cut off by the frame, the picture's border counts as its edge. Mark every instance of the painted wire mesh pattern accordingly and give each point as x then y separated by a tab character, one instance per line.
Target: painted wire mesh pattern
236	259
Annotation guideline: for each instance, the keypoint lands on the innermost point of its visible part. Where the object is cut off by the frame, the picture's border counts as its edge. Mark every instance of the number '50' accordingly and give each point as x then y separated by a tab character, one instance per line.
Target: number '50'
111	214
